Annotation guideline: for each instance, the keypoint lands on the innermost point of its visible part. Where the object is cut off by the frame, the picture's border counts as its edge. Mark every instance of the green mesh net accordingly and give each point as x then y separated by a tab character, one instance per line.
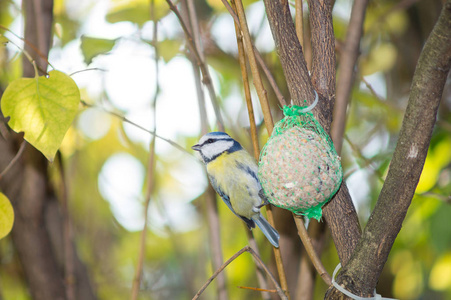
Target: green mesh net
299	168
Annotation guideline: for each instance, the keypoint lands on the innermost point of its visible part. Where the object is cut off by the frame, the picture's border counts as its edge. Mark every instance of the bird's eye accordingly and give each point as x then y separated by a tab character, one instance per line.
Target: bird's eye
209	141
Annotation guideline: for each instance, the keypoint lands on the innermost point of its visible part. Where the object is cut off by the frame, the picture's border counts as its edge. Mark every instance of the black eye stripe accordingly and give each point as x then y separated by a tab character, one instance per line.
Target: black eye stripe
211	141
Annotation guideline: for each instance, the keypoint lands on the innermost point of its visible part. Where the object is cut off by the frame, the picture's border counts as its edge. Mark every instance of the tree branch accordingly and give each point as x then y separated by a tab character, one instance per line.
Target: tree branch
150	164
323	54
290	51
308	246
361	273
257	259
340	212
264	103
259	58
206	78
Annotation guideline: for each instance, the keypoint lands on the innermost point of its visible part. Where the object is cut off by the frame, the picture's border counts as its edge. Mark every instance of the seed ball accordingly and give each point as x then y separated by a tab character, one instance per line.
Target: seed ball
299	169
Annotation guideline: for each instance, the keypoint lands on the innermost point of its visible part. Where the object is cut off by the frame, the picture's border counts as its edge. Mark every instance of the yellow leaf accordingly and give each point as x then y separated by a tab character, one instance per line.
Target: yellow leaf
381	58
43	108
440	278
436	160
6	216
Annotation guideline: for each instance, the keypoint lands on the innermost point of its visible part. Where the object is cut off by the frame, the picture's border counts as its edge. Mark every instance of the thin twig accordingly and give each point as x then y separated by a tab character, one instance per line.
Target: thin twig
257	289
367	161
200	92
389	104
305	285
150	166
124	119
271	80
299	18
247	90
14	160
259	271
210	195
254	136
346	74
261	92
69	268
33	47
310	250
206	78
257	258
89	69
259	58
28	56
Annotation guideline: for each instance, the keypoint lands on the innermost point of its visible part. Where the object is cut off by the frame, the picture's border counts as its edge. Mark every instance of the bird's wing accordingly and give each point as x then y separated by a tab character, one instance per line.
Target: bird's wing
250	223
252	170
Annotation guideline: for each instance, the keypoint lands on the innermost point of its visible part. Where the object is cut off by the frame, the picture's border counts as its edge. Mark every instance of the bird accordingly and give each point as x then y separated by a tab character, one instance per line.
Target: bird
233	174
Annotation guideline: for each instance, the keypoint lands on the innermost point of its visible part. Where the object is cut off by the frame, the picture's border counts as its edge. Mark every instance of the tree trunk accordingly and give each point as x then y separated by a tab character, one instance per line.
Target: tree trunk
38	228
362	272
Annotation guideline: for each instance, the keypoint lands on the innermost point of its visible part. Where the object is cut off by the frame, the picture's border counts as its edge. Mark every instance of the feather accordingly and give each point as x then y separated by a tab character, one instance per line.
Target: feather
271	234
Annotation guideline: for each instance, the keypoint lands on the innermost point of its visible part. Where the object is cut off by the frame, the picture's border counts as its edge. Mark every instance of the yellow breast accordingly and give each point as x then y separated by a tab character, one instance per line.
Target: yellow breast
241	187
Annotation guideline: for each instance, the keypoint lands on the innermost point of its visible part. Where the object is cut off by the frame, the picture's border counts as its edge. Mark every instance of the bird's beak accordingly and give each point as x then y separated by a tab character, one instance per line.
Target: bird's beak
196	147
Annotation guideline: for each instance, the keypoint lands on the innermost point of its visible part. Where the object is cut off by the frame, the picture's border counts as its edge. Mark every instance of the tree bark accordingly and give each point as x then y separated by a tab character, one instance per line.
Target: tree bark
361	273
340	213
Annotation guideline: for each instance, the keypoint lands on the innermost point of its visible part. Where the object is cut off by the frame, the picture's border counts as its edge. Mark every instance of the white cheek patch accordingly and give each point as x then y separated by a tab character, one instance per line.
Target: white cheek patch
213	149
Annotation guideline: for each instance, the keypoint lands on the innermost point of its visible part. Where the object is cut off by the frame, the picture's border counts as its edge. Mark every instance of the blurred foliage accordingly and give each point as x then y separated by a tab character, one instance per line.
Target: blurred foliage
91	47
177	260
6	216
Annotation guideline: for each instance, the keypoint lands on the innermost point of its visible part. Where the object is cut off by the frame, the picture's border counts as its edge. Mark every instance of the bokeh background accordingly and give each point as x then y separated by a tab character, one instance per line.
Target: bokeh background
112	43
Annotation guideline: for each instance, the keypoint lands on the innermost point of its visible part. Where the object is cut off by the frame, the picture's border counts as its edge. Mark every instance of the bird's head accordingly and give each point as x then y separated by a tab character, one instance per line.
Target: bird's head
213	144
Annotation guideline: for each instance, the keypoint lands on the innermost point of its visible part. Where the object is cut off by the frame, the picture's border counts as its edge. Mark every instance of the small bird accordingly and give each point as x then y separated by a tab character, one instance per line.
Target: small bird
233	175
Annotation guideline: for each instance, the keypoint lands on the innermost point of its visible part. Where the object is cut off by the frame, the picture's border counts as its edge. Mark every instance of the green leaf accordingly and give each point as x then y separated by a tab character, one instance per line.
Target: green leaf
138	14
43	108
135	11
169	49
6	216
91	47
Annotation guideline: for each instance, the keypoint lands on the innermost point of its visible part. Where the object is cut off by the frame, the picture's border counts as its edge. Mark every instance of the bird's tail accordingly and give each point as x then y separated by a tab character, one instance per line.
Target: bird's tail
271	234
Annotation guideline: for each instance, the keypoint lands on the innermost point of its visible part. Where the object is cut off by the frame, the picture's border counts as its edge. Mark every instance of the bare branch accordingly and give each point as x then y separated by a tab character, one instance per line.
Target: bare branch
206	78
323	54
261	92
259	58
310	250
299	17
268	122
348	59
15	159
257	258
150	165
124	119
290	51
